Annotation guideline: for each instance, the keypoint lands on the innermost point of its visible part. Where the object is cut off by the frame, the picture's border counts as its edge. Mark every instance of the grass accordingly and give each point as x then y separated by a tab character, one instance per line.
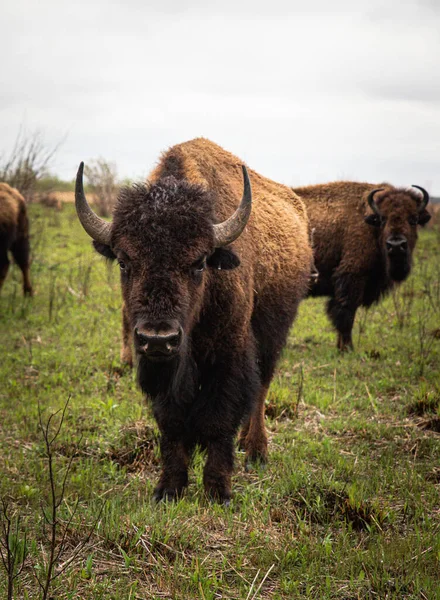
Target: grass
347	508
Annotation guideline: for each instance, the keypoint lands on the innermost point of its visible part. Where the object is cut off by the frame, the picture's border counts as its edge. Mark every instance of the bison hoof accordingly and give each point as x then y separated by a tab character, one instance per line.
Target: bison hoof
255	462
219	497
218	491
164	494
226	502
345	346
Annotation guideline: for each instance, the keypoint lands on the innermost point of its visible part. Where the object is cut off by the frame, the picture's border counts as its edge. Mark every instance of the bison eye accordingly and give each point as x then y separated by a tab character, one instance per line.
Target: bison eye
122	265
413	220
199	266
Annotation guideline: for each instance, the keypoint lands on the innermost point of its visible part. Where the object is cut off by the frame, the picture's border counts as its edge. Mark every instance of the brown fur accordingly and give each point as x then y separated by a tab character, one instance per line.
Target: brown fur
350	254
235	320
14	234
274	249
277	252
434	211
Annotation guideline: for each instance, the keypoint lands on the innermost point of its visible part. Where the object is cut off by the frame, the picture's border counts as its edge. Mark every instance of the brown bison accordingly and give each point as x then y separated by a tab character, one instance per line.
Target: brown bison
51	200
434	211
209	296
364	236
14	234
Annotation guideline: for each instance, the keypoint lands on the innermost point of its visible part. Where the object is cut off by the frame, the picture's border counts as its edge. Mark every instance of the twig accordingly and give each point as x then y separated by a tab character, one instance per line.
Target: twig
262	581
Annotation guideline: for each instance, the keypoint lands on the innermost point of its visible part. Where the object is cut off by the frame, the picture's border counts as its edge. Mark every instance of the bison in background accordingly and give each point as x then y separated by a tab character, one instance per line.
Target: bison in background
364	237
434	211
14	234
209	319
50	200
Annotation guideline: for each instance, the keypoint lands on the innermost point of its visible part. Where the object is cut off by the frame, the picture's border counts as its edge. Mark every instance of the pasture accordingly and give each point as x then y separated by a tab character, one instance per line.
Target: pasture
347	508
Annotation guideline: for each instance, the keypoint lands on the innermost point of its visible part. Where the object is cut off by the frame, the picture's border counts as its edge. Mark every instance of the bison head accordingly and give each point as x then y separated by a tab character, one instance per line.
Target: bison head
166	242
396	214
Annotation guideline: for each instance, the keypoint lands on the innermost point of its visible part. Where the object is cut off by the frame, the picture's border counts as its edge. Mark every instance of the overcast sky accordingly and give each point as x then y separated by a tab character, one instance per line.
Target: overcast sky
304	91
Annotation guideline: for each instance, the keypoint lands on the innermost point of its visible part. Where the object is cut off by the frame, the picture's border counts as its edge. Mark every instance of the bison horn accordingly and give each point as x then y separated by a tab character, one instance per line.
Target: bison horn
229	230
425	197
97	228
371	201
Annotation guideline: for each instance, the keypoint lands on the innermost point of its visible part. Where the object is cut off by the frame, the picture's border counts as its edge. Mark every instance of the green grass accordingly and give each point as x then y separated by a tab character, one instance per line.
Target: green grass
347	508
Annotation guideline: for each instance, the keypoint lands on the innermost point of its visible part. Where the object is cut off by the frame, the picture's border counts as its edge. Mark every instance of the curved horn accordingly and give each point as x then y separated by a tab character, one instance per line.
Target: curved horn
229	230
97	228
371	201
425	197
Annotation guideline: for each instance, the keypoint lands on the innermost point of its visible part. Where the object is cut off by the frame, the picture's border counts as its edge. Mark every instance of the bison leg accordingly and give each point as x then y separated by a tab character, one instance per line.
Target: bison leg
218	469
342	316
174	476
253	438
126	348
4	267
20	252
227	396
271	327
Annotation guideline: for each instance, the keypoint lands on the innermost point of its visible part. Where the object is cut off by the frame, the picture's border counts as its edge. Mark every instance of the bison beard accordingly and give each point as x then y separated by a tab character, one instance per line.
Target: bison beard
207	334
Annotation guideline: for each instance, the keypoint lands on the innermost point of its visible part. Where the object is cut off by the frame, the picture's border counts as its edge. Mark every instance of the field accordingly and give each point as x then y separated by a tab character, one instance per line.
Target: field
347	508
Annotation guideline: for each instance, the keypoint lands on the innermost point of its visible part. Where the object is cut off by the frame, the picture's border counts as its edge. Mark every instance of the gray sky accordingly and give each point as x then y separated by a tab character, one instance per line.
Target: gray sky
305	92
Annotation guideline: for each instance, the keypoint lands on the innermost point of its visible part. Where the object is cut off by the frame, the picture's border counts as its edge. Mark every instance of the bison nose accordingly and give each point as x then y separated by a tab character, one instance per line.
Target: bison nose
158	342
396	245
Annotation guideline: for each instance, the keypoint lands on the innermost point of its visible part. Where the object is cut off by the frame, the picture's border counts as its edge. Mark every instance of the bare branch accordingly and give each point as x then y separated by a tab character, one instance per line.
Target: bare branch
28	162
102	177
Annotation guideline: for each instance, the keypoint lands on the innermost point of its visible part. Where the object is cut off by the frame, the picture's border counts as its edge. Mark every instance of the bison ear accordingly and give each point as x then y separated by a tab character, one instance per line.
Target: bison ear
373	220
223	259
423	217
104	250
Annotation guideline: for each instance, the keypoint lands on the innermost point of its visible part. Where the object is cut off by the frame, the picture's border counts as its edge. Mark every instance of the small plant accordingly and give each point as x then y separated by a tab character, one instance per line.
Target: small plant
86	573
426	402
13	547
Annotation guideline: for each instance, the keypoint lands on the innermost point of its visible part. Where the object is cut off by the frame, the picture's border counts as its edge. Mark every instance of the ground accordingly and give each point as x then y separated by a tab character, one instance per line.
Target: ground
347	507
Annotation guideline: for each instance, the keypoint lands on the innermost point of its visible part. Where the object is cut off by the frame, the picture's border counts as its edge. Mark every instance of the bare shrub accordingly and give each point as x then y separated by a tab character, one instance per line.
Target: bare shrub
102	177
27	163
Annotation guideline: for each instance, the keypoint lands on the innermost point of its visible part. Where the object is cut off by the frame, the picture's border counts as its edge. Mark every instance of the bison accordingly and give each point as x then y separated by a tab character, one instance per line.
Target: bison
364	236
209	296
14	234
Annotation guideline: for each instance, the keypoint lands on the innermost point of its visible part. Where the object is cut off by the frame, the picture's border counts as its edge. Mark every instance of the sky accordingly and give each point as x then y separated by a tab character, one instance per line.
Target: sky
304	92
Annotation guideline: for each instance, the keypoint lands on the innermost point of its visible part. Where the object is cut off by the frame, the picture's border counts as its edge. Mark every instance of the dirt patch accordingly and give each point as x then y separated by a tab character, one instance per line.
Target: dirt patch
323	506
137	448
430	424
